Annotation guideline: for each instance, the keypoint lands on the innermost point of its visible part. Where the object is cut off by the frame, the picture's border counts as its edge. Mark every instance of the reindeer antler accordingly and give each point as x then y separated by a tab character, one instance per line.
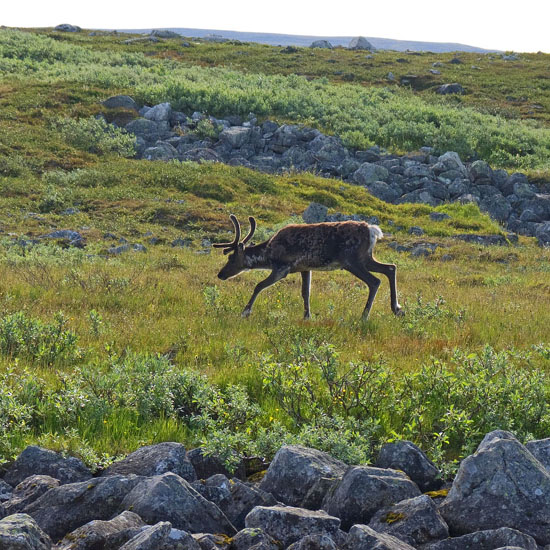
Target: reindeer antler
235	243
252	221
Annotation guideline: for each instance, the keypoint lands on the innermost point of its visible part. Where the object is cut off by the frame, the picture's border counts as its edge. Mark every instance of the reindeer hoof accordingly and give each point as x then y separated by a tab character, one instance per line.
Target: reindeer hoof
245	313
399	312
307	316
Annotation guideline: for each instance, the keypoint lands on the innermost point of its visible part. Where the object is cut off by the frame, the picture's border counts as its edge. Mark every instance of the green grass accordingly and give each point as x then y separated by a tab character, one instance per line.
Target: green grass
151	347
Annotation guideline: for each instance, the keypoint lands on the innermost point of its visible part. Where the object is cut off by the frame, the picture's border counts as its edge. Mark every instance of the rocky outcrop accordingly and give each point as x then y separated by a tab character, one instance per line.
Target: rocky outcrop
501	485
406	456
155	460
295	470
363	490
36	460
288	524
165	134
499	499
21	532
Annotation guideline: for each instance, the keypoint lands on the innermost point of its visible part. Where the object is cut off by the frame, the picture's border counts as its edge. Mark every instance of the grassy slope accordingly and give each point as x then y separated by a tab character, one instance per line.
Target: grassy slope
169	301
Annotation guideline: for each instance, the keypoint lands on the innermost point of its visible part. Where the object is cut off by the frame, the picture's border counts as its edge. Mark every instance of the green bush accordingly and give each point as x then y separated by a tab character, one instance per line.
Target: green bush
36	341
96	136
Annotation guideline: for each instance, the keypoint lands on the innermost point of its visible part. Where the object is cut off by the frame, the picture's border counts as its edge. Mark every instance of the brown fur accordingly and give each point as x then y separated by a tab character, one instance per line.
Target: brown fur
312	247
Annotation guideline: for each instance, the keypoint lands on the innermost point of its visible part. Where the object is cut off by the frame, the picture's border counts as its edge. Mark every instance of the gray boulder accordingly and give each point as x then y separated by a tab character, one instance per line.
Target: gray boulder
368	173
103	535
501	485
497	207
453	88
164	33
154	460
37	460
360	43
150	538
540	449
480	170
159	113
450	161
73	238
364	490
21	532
362	537
487	540
415	521
236	136
321	44
245	497
28	491
383	191
161	151
295	470
315	213
542	233
201	154
64	508
251	537
439	216
208	541
6	491
120	101
144	128
168	497
179	540
314	542
216	489
66	27
288	524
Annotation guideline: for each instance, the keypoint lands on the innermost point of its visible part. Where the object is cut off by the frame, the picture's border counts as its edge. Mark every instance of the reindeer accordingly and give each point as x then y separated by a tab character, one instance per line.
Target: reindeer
312	247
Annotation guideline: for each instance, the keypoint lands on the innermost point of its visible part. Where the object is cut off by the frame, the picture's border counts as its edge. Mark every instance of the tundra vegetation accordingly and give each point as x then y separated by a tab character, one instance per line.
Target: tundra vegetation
102	353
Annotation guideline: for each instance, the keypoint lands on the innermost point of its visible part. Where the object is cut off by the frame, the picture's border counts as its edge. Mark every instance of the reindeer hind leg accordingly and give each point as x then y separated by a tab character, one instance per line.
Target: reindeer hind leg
306	289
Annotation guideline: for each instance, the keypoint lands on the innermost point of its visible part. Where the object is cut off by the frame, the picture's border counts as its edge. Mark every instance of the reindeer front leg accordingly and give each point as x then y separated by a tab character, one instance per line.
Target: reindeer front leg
274	276
306	287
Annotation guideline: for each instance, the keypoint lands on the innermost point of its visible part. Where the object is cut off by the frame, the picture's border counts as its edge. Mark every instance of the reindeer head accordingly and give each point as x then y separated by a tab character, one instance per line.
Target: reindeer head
235	263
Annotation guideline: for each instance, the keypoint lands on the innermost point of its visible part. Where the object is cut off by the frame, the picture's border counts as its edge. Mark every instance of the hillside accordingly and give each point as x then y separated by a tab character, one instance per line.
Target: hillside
274	39
114	329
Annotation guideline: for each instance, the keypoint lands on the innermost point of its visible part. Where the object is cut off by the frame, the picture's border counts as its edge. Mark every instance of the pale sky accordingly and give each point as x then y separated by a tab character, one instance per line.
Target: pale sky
505	25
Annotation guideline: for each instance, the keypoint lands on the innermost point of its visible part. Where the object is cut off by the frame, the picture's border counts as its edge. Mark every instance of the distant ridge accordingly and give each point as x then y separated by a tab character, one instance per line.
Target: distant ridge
304	40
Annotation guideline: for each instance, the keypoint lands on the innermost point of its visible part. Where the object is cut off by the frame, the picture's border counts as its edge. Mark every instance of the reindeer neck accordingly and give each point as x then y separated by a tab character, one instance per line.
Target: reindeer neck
255	256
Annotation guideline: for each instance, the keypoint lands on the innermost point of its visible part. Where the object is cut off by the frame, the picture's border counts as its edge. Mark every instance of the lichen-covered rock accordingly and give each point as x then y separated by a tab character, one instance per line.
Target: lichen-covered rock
362	537
150	538
64	508
28	491
487	540
295	469
179	540
251	537
540	449
159	113
369	172
315	213
289	524
216	489
501	485
103	535
168	497
208	541
6	491
364	490
120	101
314	542
38	461
360	43
415	521
245	497
407	457
21	532
154	460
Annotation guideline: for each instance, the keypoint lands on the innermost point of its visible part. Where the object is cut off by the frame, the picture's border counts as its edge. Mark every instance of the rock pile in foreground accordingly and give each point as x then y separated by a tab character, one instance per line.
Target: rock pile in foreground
165	134
307	500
